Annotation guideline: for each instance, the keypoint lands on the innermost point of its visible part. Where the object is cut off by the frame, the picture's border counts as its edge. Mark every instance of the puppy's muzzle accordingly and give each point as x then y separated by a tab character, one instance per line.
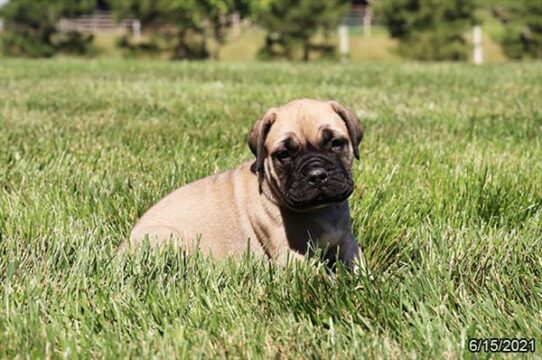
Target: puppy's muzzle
316	171
315	174
317	180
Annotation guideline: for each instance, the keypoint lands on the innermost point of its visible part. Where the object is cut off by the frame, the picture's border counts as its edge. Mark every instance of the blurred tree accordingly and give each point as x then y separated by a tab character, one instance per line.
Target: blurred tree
179	22
429	29
185	23
30	27
292	25
219	14
523	28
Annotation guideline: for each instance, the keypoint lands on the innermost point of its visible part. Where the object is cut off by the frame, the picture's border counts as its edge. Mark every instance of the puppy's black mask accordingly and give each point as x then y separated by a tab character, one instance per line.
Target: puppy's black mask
313	179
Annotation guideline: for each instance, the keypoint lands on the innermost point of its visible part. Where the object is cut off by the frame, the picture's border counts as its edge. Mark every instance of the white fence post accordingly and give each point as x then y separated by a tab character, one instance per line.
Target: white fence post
136	28
236	24
367	20
343	41
477	56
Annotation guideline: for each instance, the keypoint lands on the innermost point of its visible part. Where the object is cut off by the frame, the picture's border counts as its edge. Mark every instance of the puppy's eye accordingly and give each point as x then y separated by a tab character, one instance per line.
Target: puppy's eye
283	155
337	144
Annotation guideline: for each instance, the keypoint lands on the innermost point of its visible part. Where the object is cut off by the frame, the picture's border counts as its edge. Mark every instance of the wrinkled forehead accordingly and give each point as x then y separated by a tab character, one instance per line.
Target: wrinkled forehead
305	122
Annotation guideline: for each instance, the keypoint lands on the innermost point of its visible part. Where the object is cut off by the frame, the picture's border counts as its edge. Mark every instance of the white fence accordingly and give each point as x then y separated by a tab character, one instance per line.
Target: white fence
100	22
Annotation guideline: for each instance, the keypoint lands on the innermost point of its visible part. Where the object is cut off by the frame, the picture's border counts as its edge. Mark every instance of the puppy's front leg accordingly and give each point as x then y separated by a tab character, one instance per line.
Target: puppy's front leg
350	255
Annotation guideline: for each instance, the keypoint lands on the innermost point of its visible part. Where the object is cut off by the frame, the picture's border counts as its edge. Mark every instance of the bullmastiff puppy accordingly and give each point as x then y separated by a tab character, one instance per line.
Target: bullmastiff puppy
289	201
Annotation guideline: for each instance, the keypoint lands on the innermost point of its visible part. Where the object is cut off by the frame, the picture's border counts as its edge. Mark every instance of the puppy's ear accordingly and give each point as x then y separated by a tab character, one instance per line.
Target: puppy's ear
256	142
353	124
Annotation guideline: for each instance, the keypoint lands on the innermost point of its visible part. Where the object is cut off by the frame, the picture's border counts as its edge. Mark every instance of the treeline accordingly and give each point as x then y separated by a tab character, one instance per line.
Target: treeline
295	29
435	29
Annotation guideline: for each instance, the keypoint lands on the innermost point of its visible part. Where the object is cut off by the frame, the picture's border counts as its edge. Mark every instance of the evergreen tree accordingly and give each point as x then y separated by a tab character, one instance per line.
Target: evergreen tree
186	24
30	27
429	29
218	13
523	23
292	25
178	22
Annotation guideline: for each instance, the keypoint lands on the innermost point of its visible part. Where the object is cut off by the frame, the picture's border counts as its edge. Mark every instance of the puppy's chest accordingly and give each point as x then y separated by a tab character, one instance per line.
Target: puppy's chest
321	233
324	229
327	235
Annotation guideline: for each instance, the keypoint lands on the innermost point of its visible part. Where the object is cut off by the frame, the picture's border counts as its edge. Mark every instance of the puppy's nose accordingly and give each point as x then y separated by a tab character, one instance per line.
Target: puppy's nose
316	176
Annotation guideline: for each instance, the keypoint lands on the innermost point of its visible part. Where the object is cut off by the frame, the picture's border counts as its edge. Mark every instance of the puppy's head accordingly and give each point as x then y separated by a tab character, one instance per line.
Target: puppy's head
304	151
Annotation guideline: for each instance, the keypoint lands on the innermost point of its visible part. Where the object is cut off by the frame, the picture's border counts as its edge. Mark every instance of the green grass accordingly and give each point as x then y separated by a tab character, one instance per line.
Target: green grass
448	209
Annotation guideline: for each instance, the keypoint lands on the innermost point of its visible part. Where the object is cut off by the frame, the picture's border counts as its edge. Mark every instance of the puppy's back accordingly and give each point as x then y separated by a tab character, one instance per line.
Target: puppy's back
205	213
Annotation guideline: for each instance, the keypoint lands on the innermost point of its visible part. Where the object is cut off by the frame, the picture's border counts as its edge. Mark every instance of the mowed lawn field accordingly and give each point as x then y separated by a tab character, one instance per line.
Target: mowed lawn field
447	207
